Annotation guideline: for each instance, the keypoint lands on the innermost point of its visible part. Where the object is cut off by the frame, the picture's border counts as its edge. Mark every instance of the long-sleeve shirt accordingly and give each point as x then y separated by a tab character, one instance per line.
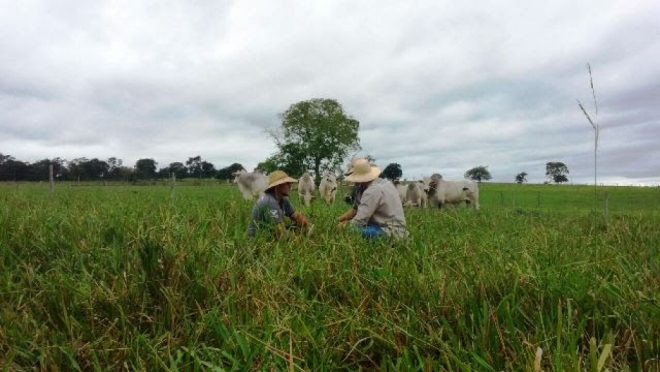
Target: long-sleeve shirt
380	205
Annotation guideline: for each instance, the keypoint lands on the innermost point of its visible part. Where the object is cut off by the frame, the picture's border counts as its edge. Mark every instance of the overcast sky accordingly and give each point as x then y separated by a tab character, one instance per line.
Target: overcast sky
437	85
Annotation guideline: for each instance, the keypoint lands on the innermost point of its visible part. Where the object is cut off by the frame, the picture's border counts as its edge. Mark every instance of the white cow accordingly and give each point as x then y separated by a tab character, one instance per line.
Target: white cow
416	194
402	190
251	184
441	192
328	188
306	189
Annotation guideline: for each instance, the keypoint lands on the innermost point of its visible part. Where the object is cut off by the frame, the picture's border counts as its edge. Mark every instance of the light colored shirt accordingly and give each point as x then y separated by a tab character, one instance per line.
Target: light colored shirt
267	213
380	205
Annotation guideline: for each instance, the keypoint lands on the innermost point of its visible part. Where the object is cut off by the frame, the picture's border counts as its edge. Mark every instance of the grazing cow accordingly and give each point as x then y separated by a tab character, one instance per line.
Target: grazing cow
251	184
306	189
328	188
416	194
441	192
401	189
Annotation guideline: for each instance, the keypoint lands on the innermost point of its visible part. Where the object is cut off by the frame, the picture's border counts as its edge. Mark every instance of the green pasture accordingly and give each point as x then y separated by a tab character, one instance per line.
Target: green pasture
118	277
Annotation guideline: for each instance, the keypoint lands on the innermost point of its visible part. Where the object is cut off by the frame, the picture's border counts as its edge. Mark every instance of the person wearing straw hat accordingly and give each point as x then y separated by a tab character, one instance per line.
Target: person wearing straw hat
380	212
271	208
353	198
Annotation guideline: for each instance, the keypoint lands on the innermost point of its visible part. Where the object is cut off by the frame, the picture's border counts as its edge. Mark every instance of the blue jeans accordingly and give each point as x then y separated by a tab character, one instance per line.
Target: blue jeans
371	231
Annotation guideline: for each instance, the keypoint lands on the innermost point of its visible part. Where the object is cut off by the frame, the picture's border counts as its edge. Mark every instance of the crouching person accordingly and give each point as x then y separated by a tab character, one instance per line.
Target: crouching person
270	209
380	212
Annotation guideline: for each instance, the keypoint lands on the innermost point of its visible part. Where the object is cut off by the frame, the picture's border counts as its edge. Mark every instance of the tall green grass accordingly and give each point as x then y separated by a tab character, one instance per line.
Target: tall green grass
127	278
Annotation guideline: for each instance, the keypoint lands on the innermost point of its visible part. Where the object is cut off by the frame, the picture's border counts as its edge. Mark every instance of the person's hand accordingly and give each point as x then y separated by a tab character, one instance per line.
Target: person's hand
341	225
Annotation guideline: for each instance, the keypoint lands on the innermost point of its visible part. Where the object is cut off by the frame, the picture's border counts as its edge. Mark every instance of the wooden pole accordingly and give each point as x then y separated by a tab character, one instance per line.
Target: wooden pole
606	207
172	183
50	178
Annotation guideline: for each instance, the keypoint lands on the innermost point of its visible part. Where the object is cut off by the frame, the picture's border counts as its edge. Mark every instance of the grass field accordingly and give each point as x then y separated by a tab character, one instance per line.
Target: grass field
137	278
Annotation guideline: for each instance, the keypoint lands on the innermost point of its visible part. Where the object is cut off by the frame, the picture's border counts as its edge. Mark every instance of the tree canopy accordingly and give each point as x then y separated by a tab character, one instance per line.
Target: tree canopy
478	174
145	169
314	134
392	172
521	177
556	171
227	173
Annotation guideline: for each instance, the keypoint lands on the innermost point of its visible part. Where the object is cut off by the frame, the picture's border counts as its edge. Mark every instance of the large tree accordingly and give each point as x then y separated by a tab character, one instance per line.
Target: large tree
478	174
180	171
556	171
290	159
521	177
88	170
194	165
227	173
145	169
392	172
319	134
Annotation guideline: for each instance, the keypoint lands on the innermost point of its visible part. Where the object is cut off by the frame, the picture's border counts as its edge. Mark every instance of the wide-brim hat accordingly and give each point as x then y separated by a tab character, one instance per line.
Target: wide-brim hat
350	171
363	171
279	177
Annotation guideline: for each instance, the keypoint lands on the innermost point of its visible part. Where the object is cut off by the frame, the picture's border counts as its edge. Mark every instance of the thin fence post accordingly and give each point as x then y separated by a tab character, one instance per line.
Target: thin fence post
172	184
606	206
50	178
514	199
538	200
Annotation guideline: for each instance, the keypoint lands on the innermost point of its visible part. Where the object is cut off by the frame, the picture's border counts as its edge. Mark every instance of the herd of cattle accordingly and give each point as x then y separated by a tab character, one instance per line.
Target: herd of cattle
429	191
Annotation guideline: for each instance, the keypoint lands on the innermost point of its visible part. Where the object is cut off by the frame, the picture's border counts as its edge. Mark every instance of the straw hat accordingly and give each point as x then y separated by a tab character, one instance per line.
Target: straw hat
350	171
279	177
363	171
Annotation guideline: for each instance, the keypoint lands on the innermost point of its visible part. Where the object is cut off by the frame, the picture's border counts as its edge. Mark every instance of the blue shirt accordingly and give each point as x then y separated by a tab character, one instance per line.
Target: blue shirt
267	213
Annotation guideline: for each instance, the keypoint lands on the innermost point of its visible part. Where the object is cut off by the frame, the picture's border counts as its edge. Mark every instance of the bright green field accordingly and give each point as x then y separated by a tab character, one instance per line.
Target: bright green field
131	278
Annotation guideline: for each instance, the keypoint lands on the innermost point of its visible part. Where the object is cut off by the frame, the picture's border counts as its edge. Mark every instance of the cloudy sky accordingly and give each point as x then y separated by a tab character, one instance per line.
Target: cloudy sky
437	85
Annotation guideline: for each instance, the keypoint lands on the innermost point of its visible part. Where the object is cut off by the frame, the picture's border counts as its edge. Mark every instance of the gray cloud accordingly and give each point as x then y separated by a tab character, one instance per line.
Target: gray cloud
436	85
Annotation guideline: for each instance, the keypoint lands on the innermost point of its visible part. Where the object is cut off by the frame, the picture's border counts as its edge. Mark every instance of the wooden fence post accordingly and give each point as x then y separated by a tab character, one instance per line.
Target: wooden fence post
50	178
172	184
606	207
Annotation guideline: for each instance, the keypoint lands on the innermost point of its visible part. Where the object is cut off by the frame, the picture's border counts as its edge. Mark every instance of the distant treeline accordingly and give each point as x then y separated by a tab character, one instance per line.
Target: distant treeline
84	169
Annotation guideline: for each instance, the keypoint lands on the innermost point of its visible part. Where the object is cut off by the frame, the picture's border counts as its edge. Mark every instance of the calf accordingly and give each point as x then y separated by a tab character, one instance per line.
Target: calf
416	194
328	188
306	189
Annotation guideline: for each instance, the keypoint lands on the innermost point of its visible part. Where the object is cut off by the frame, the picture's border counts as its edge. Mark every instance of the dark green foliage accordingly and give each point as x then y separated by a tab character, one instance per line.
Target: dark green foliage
556	172
478	174
392	172
314	135
145	169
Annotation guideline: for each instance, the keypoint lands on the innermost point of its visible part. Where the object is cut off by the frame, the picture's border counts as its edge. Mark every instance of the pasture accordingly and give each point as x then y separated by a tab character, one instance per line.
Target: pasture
137	278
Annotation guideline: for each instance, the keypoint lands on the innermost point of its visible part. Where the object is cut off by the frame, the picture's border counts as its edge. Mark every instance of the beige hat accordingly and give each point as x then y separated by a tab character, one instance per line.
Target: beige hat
350	171
363	171
279	177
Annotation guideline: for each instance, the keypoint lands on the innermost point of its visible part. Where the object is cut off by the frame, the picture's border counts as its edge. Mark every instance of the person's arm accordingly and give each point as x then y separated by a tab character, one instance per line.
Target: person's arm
295	216
348	215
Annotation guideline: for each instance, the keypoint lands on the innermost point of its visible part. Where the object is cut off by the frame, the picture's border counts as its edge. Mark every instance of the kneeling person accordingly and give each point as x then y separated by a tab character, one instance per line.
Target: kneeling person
380	211
271	208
